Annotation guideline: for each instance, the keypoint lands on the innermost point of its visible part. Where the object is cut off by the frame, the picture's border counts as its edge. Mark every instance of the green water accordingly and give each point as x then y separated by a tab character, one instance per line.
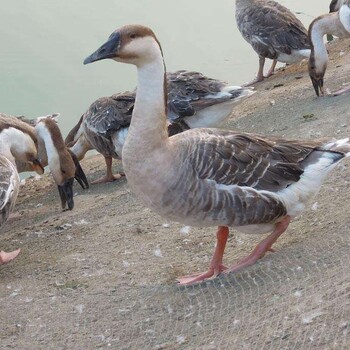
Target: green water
44	42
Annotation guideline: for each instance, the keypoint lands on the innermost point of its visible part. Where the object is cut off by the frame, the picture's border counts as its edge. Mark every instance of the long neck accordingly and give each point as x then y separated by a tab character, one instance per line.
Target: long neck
148	128
45	140
326	24
80	147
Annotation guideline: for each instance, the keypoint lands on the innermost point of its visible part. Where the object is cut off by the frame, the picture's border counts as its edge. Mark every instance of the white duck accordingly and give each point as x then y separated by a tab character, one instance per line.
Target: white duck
273	31
17	143
194	100
338	24
212	177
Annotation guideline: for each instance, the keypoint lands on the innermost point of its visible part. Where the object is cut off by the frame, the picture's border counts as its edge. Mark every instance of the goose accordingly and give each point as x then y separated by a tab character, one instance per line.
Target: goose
194	100
60	160
336	23
18	143
212	177
273	31
9	186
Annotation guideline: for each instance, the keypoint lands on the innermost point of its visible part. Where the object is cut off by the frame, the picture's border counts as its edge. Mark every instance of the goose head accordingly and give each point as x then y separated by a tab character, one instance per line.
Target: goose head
134	44
317	71
24	150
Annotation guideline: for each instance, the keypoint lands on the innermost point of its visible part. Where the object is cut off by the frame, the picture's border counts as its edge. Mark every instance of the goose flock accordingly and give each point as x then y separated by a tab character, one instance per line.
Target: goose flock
176	159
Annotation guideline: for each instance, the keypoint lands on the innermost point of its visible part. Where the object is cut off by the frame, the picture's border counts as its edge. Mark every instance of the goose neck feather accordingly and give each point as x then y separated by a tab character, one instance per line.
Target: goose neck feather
148	128
325	24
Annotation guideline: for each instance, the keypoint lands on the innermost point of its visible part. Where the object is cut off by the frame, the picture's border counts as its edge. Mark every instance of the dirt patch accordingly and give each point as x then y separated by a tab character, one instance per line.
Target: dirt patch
103	275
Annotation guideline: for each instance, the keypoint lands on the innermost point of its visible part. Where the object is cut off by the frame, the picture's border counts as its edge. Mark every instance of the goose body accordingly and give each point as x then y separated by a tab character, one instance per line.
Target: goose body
18	143
9	186
194	100
60	161
338	24
212	177
273	31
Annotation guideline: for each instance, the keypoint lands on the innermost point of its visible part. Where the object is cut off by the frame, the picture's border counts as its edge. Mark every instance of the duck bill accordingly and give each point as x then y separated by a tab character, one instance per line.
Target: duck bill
108	50
79	172
66	194
318	86
37	167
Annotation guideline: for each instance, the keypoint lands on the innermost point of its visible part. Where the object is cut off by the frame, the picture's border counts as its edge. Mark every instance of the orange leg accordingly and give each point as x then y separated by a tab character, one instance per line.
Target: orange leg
216	266
7	257
109	177
262	248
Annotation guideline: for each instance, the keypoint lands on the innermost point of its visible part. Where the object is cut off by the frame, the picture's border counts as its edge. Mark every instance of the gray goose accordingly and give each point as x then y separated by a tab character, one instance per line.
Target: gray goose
63	164
194	100
338	24
273	31
212	177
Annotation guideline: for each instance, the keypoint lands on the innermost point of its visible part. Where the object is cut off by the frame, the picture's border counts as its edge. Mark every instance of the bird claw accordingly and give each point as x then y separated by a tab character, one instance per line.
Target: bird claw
201	276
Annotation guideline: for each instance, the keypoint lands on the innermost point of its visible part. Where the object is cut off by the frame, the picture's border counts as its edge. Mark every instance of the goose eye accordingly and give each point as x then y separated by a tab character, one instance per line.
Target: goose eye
133	35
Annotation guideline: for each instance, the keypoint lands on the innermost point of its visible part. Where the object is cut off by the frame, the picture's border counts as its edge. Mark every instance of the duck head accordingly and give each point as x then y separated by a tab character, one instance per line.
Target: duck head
129	44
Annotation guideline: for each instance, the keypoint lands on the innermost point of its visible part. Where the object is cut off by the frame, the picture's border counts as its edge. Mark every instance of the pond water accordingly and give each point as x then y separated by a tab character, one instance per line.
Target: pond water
44	42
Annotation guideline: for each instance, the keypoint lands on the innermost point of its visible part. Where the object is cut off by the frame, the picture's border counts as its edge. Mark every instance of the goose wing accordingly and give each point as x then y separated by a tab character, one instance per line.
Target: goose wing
231	158
272	29
189	92
109	114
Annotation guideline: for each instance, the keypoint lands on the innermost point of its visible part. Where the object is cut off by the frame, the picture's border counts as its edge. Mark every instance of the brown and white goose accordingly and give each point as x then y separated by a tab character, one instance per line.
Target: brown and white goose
338	24
212	177
18	143
273	31
194	100
60	160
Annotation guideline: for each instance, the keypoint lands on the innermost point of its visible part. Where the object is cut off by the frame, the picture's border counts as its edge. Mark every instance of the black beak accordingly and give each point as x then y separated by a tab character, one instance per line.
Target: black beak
79	172
66	194
108	50
318	85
